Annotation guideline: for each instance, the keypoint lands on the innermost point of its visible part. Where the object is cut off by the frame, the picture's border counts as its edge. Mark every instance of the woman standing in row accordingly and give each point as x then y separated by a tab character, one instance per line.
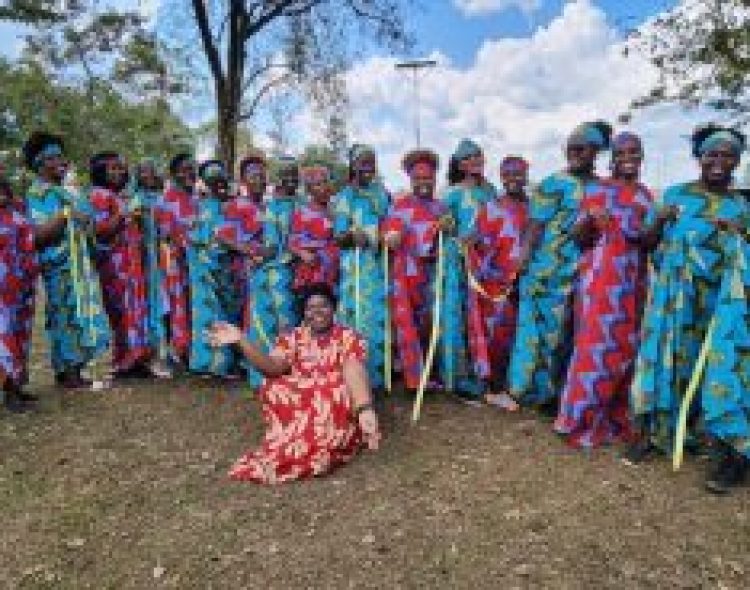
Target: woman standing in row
698	301
609	297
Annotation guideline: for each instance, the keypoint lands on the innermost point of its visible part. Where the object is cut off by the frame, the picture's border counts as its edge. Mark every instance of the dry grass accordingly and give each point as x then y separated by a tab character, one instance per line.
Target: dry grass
127	489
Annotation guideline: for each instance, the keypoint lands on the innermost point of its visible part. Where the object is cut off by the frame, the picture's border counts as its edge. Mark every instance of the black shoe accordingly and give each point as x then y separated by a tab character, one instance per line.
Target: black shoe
638	452
14	404
728	472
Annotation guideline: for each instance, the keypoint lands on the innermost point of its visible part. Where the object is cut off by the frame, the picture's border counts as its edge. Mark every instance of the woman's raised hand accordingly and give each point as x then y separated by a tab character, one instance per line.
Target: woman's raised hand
223	334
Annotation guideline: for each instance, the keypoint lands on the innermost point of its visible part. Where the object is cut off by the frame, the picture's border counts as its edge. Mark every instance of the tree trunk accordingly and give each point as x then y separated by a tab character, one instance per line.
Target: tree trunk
227	129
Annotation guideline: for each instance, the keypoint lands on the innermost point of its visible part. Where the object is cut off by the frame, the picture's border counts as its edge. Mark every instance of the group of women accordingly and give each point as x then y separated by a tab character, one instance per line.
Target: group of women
623	317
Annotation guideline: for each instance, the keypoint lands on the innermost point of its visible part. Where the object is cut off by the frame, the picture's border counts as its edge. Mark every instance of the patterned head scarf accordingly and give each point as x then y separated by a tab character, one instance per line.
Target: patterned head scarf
211	170
466	148
511	164
420	160
710	137
593	133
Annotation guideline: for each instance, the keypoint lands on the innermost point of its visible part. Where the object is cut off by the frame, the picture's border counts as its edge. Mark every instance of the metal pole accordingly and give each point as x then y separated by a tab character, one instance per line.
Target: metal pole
415	66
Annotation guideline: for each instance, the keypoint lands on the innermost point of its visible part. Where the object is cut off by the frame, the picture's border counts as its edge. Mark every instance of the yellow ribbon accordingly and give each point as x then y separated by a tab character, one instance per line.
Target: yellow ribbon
357	254
387	341
261	331
74	270
687	400
477	286
435	331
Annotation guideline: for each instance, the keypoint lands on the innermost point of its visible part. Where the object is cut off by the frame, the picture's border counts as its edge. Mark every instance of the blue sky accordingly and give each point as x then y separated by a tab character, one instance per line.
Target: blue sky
467	33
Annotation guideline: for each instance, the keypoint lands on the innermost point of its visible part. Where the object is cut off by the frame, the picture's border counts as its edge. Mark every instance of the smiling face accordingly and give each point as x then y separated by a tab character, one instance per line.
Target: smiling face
53	169
185	175
318	314
117	173
364	170
254	179
514	182
581	157
147	177
718	164
473	165
289	180
627	157
423	181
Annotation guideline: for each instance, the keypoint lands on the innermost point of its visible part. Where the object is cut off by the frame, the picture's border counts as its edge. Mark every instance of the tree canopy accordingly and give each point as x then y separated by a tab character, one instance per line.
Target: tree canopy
702	51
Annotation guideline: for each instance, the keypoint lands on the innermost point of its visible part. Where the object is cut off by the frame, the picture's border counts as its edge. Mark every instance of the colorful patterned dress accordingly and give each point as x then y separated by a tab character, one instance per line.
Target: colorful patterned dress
312	230
413	279
243	227
176	214
501	227
27	302
463	203
277	306
610	295
18	270
310	427
120	262
156	294
211	289
700	273
362	306
76	324
539	360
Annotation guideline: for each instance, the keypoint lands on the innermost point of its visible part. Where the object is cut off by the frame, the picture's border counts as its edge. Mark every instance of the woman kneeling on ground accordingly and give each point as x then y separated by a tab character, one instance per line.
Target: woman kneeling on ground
315	396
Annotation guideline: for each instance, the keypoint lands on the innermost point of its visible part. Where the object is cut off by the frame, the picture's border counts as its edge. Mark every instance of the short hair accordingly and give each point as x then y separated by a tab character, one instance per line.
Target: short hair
316	289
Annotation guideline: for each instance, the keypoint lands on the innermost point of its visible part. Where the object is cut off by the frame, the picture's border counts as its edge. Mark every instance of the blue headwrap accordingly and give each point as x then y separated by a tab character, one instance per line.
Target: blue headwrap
212	169
466	149
48	151
717	138
590	134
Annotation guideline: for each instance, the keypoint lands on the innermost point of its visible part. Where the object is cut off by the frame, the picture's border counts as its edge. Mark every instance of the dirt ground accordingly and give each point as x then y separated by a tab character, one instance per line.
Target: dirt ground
127	489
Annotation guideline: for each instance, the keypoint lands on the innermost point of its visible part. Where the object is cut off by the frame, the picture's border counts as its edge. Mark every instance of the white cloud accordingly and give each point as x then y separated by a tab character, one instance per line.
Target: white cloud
481	7
520	96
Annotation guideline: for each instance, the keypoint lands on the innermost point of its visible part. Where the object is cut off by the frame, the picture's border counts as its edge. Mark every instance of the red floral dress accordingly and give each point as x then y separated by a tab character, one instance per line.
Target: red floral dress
310	427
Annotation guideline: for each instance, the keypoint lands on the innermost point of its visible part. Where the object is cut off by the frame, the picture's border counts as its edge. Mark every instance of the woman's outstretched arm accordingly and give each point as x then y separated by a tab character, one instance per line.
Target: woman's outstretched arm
224	334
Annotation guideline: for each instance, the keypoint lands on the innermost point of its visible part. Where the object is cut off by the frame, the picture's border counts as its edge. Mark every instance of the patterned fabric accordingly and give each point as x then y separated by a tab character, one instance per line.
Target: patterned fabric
541	351
120	262
176	214
463	204
156	294
18	269
244	227
362	306
610	295
310	427
700	273
212	296
312	230
413	277
76	324
500	230
279	272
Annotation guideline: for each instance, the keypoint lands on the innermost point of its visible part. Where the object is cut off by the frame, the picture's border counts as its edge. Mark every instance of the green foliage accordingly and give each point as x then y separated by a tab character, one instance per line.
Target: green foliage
702	51
30	101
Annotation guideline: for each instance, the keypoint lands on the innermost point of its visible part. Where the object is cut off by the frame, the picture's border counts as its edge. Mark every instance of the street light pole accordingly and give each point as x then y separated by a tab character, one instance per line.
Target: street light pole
416	66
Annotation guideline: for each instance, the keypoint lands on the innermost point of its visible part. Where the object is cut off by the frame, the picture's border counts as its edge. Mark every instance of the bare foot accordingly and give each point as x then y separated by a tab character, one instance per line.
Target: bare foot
502	401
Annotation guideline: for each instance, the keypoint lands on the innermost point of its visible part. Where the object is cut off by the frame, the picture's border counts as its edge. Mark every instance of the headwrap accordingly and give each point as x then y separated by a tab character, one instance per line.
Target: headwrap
420	160
254	162
212	170
718	136
624	137
594	133
466	149
41	145
359	151
512	164
316	172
